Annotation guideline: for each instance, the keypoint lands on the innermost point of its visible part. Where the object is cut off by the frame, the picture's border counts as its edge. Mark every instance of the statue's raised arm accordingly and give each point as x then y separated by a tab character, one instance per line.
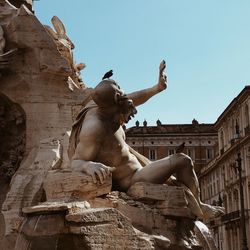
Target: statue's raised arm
141	96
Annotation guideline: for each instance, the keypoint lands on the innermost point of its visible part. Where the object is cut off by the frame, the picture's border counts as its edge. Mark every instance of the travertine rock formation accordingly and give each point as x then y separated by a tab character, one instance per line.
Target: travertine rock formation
73	185
48	205
36	77
35	103
114	221
89	228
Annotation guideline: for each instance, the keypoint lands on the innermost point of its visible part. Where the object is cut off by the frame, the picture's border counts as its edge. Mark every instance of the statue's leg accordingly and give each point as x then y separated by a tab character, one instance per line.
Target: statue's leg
182	166
159	171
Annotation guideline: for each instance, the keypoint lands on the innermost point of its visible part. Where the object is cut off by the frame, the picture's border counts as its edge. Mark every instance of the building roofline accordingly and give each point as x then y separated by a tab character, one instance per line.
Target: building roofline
172	130
232	104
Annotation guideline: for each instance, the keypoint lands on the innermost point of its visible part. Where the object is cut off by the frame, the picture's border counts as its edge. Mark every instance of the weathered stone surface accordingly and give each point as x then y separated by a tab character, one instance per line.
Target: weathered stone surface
144	191
7	11
169	200
95	215
97	224
117	222
22	36
73	185
37	78
42	225
48	207
103	228
26	184
162	242
166	208
147	218
106	228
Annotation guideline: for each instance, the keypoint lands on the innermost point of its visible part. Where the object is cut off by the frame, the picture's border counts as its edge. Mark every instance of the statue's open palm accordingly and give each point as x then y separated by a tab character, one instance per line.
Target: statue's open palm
162	82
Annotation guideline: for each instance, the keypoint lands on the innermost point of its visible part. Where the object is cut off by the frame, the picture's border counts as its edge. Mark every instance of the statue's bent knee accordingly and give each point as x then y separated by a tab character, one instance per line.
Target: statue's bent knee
182	160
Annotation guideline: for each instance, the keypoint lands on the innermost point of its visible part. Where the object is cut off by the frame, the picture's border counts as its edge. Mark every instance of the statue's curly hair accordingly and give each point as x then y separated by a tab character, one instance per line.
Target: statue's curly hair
104	94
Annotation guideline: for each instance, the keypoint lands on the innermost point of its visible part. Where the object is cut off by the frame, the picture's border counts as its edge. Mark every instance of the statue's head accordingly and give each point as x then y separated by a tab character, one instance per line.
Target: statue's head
108	95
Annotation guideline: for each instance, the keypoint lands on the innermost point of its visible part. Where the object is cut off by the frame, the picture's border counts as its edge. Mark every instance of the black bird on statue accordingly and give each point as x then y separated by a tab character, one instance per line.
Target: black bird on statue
180	148
108	74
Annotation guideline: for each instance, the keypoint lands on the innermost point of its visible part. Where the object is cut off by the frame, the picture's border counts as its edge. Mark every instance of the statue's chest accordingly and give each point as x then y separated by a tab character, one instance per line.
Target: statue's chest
114	141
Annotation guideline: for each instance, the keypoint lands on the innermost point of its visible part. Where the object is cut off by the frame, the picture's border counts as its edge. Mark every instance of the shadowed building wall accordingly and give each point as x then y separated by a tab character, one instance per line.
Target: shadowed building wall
219	180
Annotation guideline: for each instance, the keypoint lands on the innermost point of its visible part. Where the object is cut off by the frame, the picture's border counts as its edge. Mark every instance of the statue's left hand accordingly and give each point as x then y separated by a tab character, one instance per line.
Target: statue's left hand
162	82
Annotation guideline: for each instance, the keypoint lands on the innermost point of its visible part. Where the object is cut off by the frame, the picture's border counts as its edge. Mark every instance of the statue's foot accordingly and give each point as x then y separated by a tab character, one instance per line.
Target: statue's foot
210	212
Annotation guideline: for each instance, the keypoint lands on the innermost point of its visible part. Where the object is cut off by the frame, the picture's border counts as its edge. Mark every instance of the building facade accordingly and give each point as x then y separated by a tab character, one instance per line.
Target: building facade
156	142
219	180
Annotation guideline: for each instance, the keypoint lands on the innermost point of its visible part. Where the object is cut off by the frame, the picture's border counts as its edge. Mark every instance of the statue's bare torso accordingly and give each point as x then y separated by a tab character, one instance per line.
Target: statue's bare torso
110	147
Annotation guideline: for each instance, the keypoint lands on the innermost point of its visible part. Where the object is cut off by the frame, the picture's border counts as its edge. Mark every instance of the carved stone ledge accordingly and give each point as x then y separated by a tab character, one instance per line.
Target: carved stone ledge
169	200
49	207
72	185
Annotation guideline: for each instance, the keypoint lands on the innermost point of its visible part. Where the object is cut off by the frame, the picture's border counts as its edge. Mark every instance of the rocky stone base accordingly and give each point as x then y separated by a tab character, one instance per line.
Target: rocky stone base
112	222
94	228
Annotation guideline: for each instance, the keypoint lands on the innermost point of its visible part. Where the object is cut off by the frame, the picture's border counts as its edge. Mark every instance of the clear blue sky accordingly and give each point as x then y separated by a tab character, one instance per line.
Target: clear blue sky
206	45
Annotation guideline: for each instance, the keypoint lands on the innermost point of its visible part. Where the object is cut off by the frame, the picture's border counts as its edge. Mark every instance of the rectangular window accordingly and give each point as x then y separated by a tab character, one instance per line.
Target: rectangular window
170	151
152	154
210	153
190	152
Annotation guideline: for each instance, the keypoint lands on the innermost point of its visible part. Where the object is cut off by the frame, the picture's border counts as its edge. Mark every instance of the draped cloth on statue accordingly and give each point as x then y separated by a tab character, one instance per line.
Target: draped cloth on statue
76	129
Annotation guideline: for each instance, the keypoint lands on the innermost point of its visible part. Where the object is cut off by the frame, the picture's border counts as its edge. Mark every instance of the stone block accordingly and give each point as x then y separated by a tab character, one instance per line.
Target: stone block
169	200
49	207
172	210
106	228
65	185
158	192
101	228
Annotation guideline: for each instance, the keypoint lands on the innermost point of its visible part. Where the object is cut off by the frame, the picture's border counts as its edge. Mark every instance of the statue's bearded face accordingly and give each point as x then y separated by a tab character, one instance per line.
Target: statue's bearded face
126	108
108	95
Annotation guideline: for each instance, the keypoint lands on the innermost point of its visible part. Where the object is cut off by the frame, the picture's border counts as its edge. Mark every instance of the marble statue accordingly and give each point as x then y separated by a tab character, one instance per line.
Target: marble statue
98	148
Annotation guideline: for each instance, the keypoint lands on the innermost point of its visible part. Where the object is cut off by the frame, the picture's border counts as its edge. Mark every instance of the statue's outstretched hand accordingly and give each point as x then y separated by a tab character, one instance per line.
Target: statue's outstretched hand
162	82
98	171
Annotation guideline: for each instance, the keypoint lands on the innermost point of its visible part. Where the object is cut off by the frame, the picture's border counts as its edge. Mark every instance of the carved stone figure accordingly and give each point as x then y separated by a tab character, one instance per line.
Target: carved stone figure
65	47
98	147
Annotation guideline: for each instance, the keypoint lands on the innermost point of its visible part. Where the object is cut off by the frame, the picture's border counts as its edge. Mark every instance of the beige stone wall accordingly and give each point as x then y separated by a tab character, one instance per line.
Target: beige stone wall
33	74
37	78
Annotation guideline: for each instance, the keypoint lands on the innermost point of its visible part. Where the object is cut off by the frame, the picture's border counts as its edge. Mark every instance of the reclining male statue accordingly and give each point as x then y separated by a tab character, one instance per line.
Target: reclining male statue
98	147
